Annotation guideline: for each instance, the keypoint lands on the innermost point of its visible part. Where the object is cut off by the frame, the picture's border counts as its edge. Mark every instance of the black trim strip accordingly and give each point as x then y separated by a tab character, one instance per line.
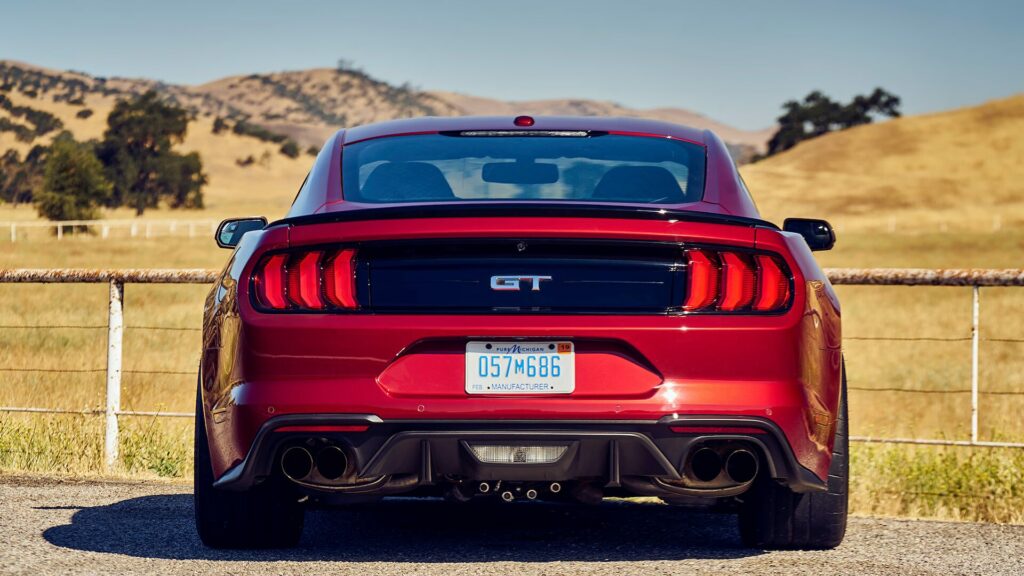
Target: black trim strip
511	209
781	460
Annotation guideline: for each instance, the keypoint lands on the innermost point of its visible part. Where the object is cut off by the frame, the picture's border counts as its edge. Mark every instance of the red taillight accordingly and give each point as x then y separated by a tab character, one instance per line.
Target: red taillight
731	281
737	282
703	280
314	280
523	121
340	280
270	282
772	284
304	281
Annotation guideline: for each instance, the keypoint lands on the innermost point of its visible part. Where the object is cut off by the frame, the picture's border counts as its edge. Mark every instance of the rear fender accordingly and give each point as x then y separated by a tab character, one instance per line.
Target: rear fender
820	335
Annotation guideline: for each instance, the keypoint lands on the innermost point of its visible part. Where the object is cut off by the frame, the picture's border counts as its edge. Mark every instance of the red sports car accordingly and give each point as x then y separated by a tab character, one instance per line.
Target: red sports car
517	309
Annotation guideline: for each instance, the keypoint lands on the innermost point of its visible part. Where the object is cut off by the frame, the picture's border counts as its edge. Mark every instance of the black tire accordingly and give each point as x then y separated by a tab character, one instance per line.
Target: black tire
265	516
774	517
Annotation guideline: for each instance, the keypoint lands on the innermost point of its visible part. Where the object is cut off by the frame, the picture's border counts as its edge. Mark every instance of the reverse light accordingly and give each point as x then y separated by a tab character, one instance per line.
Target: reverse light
504	454
310	280
734	281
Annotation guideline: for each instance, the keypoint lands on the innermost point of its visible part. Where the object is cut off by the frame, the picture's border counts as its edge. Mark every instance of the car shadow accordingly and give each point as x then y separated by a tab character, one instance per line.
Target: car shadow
422	531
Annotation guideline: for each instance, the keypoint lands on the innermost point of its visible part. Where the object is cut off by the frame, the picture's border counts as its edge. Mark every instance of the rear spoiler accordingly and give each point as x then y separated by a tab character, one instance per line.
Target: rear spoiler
500	209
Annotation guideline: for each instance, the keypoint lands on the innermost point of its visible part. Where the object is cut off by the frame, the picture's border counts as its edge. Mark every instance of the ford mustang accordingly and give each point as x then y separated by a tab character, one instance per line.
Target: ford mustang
521	309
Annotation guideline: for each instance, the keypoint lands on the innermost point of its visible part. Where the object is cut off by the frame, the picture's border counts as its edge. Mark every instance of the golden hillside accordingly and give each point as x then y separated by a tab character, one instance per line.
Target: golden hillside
958	170
305	105
263	188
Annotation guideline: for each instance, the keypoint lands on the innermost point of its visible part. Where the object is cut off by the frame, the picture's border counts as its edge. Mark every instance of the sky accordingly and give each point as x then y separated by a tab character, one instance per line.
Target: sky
735	61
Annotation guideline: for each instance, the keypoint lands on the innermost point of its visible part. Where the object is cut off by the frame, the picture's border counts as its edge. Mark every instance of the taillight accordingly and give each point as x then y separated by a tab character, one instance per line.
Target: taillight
313	280
730	281
703	285
270	282
340	279
737	281
304	281
772	284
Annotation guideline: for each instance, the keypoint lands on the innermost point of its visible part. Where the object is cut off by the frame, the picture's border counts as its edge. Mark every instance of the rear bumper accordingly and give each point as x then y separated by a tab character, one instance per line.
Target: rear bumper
601	451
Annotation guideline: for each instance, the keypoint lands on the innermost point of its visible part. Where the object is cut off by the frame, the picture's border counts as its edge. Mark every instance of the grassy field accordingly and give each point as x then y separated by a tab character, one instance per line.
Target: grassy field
960	170
162	348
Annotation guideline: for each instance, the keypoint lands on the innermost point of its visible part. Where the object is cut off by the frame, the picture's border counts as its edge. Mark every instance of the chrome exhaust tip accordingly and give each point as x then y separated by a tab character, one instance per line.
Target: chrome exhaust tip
331	463
741	466
296	463
531	494
705	464
508	496
555	487
484	488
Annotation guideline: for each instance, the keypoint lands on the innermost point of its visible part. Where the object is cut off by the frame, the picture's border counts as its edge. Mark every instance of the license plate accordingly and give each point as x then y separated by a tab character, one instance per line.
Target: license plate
520	368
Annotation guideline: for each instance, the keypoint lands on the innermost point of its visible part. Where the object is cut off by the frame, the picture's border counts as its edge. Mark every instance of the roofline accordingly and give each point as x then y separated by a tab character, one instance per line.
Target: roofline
434	124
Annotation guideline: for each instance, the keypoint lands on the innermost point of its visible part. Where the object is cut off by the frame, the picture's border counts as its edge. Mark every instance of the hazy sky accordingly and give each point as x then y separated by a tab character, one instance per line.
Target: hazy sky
734	61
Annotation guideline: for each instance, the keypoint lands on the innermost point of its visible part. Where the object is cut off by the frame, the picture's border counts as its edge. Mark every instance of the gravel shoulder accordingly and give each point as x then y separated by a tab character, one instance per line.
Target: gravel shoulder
51	526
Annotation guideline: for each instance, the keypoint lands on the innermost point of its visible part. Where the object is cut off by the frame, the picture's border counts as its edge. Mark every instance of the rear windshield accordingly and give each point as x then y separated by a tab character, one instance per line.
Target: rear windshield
577	166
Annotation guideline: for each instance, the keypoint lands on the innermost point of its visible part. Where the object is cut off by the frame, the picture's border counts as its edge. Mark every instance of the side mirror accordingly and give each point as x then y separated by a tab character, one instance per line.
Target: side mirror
818	234
231	230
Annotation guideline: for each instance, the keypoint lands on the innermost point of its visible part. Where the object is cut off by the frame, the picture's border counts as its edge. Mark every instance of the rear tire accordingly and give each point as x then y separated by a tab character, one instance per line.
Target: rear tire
265	516
774	517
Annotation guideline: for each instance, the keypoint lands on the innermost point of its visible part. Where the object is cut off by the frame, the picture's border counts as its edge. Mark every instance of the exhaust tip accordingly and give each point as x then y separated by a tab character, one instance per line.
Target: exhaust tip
508	496
706	464
531	494
296	463
484	488
331	462
741	466
555	488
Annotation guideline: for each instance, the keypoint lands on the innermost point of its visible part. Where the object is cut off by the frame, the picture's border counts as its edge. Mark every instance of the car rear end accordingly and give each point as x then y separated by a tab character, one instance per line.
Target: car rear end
517	348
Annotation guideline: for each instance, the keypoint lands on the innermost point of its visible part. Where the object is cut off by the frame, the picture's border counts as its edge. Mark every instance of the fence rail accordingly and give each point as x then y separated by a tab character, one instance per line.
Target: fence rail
975	278
135	228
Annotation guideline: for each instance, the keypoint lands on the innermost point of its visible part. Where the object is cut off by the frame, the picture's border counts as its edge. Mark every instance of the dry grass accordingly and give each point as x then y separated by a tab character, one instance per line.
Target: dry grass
958	169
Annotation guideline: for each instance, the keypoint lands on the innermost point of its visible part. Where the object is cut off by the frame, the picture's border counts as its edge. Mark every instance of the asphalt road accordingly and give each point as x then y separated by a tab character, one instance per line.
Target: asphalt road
59	527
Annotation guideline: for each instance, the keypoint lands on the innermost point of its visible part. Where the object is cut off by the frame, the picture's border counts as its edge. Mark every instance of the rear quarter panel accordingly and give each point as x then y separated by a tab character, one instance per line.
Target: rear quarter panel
820	336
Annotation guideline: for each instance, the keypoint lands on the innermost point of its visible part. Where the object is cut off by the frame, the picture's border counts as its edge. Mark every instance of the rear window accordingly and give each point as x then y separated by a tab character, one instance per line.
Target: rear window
481	166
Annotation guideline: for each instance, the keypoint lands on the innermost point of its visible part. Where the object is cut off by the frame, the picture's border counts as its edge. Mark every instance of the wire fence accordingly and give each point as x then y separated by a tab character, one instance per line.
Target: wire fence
116	279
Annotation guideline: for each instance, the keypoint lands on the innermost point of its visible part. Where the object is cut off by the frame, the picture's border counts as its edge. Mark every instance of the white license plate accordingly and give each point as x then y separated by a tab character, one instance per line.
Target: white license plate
520	368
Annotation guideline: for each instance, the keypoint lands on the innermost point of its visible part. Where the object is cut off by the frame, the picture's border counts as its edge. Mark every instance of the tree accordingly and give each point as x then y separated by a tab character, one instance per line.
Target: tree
73	182
20	179
182	181
137	150
290	149
818	115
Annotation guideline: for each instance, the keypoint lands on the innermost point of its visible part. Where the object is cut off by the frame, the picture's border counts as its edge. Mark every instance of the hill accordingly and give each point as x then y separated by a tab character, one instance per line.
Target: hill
741	142
959	170
247	174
